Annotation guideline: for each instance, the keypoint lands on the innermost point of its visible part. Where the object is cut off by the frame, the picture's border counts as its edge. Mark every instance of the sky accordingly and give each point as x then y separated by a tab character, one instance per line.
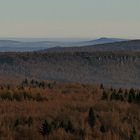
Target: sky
70	18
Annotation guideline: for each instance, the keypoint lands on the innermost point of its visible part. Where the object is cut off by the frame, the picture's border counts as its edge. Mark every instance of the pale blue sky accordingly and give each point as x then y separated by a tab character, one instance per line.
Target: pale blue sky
70	18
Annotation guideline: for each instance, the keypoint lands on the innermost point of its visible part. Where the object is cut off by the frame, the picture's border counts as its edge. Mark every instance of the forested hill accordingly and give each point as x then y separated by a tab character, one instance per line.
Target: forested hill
111	68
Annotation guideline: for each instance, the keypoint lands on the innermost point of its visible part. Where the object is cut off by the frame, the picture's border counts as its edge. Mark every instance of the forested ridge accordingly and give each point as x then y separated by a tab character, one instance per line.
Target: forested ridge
120	68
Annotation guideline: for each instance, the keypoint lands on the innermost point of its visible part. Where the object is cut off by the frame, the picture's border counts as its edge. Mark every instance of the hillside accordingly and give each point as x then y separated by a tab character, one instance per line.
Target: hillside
111	68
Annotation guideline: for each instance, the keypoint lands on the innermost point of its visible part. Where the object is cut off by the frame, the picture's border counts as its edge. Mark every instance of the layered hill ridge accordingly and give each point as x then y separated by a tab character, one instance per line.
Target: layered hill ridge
23	46
132	45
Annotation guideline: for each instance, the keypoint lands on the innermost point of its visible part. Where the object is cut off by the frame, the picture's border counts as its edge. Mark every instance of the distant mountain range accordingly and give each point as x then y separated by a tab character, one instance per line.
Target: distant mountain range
131	45
21	46
100	41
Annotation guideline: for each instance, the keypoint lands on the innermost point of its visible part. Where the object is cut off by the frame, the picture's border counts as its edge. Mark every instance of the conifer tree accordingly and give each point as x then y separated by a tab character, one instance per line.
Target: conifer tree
104	96
45	129
91	118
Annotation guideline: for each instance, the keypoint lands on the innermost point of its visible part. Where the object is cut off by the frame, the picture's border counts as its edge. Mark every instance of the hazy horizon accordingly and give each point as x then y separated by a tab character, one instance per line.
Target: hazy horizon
59	39
70	19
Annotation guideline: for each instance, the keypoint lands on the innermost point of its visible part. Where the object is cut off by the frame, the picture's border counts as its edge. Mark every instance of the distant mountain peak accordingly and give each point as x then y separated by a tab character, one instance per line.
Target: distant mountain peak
102	38
113	39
